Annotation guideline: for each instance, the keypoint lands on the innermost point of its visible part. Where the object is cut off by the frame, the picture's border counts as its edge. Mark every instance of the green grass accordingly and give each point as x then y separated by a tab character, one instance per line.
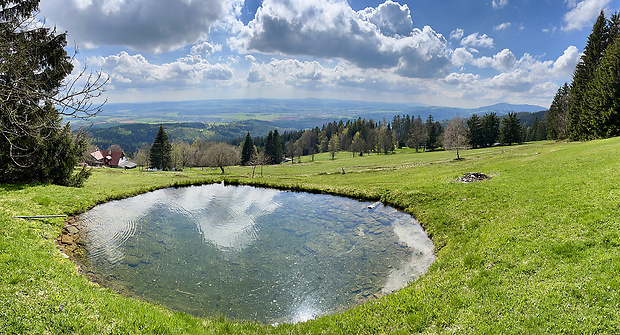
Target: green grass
536	249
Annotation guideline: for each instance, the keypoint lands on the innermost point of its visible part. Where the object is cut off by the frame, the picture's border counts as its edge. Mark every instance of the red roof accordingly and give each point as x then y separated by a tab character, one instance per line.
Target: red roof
110	158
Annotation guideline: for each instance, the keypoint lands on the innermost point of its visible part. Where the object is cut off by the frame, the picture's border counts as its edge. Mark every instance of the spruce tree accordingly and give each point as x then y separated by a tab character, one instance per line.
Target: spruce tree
248	150
475	132
580	124
603	96
277	148
161	151
558	114
269	149
434	130
490	129
35	146
510	130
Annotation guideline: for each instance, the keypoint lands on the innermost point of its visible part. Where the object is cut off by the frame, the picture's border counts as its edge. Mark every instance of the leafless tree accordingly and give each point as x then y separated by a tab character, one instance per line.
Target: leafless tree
455	136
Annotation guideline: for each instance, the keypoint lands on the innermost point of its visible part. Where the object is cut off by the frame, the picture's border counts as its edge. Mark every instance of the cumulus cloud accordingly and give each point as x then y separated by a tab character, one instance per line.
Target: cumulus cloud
148	25
583	13
205	49
391	18
461	56
477	40
380	38
136	72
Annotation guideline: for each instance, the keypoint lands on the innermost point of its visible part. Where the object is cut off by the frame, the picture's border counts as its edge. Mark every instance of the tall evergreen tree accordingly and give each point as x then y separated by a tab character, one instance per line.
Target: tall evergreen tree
490	129
161	151
475	132
603	96
510	130
34	97
558	115
580	116
434	131
277	148
248	150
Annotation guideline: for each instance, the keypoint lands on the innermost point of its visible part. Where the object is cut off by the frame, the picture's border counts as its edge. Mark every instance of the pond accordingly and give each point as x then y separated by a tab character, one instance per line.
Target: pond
250	253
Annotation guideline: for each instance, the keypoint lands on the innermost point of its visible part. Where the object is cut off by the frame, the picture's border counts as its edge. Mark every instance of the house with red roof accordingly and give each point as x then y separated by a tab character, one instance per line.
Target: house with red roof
111	158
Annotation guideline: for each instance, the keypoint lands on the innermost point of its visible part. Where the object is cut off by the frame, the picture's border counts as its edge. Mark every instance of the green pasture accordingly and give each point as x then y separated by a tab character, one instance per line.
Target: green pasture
534	250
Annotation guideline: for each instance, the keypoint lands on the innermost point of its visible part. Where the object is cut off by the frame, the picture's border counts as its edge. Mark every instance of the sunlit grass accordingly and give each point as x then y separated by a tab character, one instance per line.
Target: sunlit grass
536	249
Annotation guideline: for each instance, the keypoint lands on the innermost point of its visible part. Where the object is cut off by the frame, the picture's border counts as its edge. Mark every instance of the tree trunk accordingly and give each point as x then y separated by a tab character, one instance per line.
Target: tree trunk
222	168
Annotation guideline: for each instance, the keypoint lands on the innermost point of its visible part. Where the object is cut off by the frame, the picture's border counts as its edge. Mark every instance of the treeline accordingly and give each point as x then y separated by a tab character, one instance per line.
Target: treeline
358	137
363	136
589	108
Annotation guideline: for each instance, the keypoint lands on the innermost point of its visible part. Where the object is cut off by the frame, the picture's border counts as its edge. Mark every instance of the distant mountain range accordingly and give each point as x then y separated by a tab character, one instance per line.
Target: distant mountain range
282	113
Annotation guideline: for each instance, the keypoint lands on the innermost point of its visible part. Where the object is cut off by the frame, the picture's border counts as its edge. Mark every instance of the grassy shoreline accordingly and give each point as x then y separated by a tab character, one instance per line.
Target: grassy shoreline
533	250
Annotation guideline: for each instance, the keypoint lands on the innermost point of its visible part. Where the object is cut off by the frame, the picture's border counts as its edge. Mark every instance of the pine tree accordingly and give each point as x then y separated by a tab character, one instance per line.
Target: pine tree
161	151
434	131
603	96
510	130
580	116
35	97
248	150
490	129
558	115
269	149
475	131
277	148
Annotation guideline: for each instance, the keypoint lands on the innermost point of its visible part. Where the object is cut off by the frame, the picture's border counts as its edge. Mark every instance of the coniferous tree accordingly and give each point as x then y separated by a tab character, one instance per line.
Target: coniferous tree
35	97
603	96
510	130
434	131
248	150
580	116
490	126
269	149
475	132
558	115
277	148
161	151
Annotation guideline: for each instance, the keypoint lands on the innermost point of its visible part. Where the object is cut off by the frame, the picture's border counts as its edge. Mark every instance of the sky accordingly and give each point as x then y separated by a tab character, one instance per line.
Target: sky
458	53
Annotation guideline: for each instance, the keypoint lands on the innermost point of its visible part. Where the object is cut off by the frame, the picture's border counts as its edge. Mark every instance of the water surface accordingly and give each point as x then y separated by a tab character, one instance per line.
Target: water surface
252	253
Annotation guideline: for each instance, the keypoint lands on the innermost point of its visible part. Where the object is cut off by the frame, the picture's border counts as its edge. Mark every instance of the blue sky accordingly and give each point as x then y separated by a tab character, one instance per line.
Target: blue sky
463	53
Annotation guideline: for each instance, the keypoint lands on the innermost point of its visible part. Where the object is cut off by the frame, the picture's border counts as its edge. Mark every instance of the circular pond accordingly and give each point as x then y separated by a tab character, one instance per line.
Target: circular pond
251	253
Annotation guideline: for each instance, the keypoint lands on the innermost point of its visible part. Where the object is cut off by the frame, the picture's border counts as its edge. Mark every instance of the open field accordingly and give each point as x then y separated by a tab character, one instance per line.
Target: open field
536	249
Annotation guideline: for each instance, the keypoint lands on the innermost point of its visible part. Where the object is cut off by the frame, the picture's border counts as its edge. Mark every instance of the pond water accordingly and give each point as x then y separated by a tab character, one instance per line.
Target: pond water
251	253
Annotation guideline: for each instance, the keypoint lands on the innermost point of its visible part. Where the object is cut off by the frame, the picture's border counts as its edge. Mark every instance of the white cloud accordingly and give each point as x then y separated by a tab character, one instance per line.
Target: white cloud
565	64
146	25
477	40
457	34
460	78
502	61
136	72
461	56
583	13
499	3
391	18
205	49
372	38
502	26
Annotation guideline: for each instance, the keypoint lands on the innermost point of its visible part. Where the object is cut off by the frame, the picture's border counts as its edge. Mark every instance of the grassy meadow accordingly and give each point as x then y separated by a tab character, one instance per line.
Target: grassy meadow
535	249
